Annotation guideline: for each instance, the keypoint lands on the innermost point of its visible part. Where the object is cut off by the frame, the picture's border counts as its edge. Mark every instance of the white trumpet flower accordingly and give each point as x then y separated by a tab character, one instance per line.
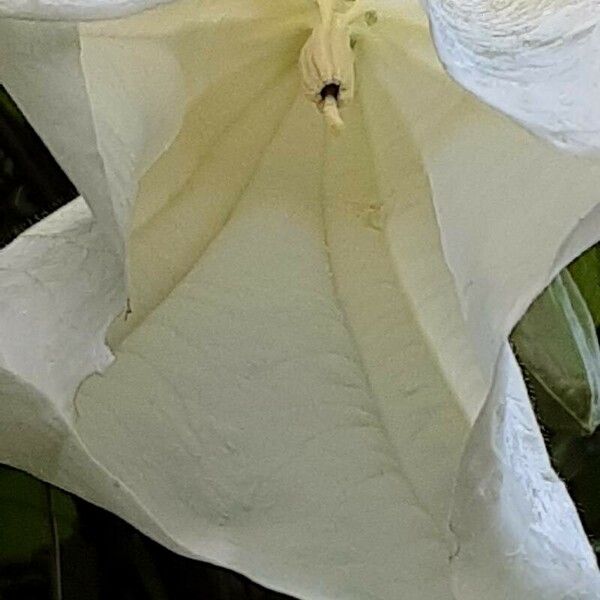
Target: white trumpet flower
316	321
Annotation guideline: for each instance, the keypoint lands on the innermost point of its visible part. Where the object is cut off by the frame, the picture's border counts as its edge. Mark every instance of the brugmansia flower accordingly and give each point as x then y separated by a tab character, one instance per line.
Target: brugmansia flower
315	319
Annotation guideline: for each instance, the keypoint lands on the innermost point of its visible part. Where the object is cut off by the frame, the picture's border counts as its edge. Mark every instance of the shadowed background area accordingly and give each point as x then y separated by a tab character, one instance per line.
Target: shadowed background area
32	185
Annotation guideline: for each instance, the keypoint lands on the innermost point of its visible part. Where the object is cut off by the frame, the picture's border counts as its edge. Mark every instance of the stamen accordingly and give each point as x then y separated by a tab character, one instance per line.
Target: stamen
327	59
354	13
326	8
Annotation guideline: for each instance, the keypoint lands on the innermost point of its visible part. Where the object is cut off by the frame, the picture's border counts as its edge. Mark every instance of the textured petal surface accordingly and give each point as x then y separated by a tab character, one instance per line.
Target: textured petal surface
505	234
77	10
512	515
315	321
538	61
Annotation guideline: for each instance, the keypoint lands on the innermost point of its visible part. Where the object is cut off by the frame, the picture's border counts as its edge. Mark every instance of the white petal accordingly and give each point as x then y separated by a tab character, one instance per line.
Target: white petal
538	62
79	10
505	234
512	514
93	10
293	389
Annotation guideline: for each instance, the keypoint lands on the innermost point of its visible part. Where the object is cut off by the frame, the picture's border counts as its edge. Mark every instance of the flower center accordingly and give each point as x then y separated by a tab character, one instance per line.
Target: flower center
327	58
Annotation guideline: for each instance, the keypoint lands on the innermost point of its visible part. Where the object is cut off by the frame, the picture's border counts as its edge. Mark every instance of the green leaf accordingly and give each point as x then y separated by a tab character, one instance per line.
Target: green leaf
557	343
24	524
586	273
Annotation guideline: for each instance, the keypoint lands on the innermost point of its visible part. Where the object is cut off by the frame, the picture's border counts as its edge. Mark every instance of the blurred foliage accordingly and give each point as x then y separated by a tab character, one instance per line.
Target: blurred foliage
585	270
24	504
556	341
